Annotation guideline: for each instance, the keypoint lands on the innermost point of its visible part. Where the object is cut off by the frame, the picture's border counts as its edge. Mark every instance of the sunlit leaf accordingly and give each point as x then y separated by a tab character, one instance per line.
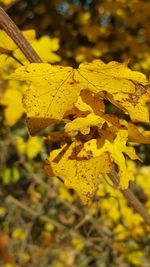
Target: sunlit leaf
115	81
115	147
81	175
52	92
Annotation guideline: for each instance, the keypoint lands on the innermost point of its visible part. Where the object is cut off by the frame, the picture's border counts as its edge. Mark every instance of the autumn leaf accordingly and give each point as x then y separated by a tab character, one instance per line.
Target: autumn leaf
83	124
135	135
80	175
115	81
115	148
51	93
88	101
54	90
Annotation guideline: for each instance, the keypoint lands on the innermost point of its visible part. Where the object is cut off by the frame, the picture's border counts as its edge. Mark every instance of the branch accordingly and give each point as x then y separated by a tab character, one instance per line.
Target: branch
11	200
131	198
15	34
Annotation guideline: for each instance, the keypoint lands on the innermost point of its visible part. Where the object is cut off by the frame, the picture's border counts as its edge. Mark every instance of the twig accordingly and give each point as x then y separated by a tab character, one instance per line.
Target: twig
43	218
131	198
8	7
15	34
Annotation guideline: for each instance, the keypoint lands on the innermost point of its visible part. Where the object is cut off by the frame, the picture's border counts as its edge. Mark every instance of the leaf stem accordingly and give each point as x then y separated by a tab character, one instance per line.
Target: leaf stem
15	34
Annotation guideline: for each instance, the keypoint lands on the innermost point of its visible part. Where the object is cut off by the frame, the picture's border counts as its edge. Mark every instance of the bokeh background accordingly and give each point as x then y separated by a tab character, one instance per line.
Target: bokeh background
41	222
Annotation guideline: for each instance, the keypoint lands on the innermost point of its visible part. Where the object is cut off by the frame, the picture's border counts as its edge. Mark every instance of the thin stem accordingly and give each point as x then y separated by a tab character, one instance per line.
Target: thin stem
15	34
131	198
33	213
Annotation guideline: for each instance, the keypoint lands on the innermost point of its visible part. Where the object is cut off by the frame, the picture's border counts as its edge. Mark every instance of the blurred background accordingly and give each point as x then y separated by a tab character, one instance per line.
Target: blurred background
41	222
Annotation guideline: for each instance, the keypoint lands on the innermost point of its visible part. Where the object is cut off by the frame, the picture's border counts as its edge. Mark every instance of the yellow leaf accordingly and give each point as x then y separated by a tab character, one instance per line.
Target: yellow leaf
83	124
52	92
115	81
94	101
115	148
3	58
88	101
134	134
80	175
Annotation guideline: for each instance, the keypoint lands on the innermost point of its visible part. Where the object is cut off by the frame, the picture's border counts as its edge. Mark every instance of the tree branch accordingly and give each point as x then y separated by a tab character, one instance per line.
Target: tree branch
11	200
15	34
131	198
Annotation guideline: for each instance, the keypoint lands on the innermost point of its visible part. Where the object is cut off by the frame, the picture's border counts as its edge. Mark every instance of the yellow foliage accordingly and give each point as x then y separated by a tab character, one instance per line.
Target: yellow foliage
49	227
49	96
83	124
55	89
25	257
45	48
81	175
78	243
7	43
20	145
116	82
19	234
12	99
6	2
135	257
8	48
33	147
135	134
88	102
120	232
30	148
64	194
115	149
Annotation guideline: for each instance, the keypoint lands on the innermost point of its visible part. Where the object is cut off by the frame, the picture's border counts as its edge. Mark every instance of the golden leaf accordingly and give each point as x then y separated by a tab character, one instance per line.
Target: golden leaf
52	92
115	147
83	124
135	135
123	87
80	175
